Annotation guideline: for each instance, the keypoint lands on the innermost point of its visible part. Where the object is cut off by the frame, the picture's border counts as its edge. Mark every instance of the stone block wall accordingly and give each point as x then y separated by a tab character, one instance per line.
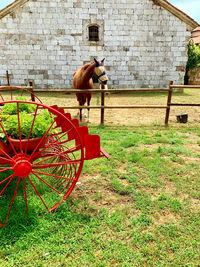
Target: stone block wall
46	41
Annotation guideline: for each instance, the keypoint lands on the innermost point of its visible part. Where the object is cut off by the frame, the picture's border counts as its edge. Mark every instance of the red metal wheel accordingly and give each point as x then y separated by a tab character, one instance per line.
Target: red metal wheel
14	92
43	173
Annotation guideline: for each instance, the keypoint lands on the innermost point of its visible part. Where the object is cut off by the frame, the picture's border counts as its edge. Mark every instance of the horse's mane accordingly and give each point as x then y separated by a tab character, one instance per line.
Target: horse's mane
84	67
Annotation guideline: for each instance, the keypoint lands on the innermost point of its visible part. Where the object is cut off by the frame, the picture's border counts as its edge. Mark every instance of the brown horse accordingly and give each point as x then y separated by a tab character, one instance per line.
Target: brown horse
82	79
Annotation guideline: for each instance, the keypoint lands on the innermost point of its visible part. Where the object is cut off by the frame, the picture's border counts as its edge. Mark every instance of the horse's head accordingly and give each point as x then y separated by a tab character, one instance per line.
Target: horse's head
100	71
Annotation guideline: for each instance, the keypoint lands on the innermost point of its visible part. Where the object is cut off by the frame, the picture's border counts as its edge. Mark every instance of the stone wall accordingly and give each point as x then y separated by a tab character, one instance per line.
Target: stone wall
46	41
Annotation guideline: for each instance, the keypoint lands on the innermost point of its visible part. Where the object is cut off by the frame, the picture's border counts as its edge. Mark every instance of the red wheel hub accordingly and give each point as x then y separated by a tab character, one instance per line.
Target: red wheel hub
22	167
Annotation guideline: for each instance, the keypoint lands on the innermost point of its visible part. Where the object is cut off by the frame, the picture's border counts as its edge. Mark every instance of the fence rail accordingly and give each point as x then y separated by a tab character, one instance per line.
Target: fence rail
127	90
104	92
114	107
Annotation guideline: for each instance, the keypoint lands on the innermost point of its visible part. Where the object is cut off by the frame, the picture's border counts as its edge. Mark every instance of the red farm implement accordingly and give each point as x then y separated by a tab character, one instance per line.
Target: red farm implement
42	151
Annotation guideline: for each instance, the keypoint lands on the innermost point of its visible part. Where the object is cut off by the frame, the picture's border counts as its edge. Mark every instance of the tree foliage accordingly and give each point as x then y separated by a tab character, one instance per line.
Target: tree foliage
193	56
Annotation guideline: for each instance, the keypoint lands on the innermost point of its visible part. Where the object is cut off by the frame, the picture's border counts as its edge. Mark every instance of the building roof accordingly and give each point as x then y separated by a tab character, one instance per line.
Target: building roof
164	3
196	35
11	8
177	12
196	30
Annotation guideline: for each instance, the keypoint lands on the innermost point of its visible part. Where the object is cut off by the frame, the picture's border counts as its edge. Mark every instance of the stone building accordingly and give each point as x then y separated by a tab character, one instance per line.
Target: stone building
144	41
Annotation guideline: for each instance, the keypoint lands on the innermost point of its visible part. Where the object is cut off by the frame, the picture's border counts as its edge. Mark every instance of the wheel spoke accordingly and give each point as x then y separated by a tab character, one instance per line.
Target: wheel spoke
13	199
54	142
6	179
31	129
25	195
41	140
60	183
20	138
60	153
5	169
13	148
6	155
46	183
38	193
48	165
53	175
10	177
71	150
69	174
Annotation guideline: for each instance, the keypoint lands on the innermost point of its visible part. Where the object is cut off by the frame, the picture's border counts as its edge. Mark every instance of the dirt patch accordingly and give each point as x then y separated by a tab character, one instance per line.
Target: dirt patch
99	196
166	218
152	147
136	116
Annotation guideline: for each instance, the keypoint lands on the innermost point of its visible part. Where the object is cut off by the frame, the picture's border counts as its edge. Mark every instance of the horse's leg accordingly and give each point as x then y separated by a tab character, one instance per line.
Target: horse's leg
80	109
80	114
80	104
88	105
85	113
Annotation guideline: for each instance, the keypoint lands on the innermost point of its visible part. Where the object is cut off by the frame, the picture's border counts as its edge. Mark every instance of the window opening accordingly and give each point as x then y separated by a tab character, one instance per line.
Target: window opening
94	33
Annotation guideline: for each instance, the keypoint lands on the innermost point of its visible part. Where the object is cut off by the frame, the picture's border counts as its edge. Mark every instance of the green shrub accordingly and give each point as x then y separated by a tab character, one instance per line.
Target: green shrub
41	125
9	120
193	56
193	62
11	108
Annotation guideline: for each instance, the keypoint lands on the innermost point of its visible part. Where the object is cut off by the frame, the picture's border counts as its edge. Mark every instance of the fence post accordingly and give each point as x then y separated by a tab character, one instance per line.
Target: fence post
102	103
8	78
168	103
31	84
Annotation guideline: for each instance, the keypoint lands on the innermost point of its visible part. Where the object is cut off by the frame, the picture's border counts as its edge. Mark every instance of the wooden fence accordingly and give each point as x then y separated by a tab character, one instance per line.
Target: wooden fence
7	77
104	92
169	99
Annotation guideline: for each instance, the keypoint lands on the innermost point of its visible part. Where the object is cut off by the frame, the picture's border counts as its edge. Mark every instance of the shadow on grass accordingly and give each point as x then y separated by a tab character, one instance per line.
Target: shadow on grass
37	227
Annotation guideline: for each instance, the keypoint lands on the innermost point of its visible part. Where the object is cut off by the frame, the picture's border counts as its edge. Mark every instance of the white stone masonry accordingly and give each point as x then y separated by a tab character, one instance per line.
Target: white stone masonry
46	41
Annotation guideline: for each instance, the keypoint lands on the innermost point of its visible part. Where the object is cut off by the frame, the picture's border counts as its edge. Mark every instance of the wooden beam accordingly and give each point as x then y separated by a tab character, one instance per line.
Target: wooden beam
185	86
99	90
182	105
102	104
114	107
168	103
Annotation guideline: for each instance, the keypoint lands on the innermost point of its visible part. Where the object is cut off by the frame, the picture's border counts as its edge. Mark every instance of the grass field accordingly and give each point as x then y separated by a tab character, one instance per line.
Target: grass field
139	208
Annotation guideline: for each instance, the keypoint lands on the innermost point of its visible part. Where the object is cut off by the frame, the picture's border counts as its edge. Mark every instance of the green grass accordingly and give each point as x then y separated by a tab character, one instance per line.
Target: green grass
139	208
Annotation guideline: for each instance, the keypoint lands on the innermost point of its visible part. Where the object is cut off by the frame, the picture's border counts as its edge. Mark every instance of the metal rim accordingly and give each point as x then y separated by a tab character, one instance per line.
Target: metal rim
21	90
50	169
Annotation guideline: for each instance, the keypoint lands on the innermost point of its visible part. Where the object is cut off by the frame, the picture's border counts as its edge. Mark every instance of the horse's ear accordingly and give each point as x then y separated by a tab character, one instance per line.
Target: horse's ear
102	60
96	62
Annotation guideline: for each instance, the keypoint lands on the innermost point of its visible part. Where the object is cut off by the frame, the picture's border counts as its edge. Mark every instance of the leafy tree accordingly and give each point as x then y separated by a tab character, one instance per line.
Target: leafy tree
193	59
193	56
